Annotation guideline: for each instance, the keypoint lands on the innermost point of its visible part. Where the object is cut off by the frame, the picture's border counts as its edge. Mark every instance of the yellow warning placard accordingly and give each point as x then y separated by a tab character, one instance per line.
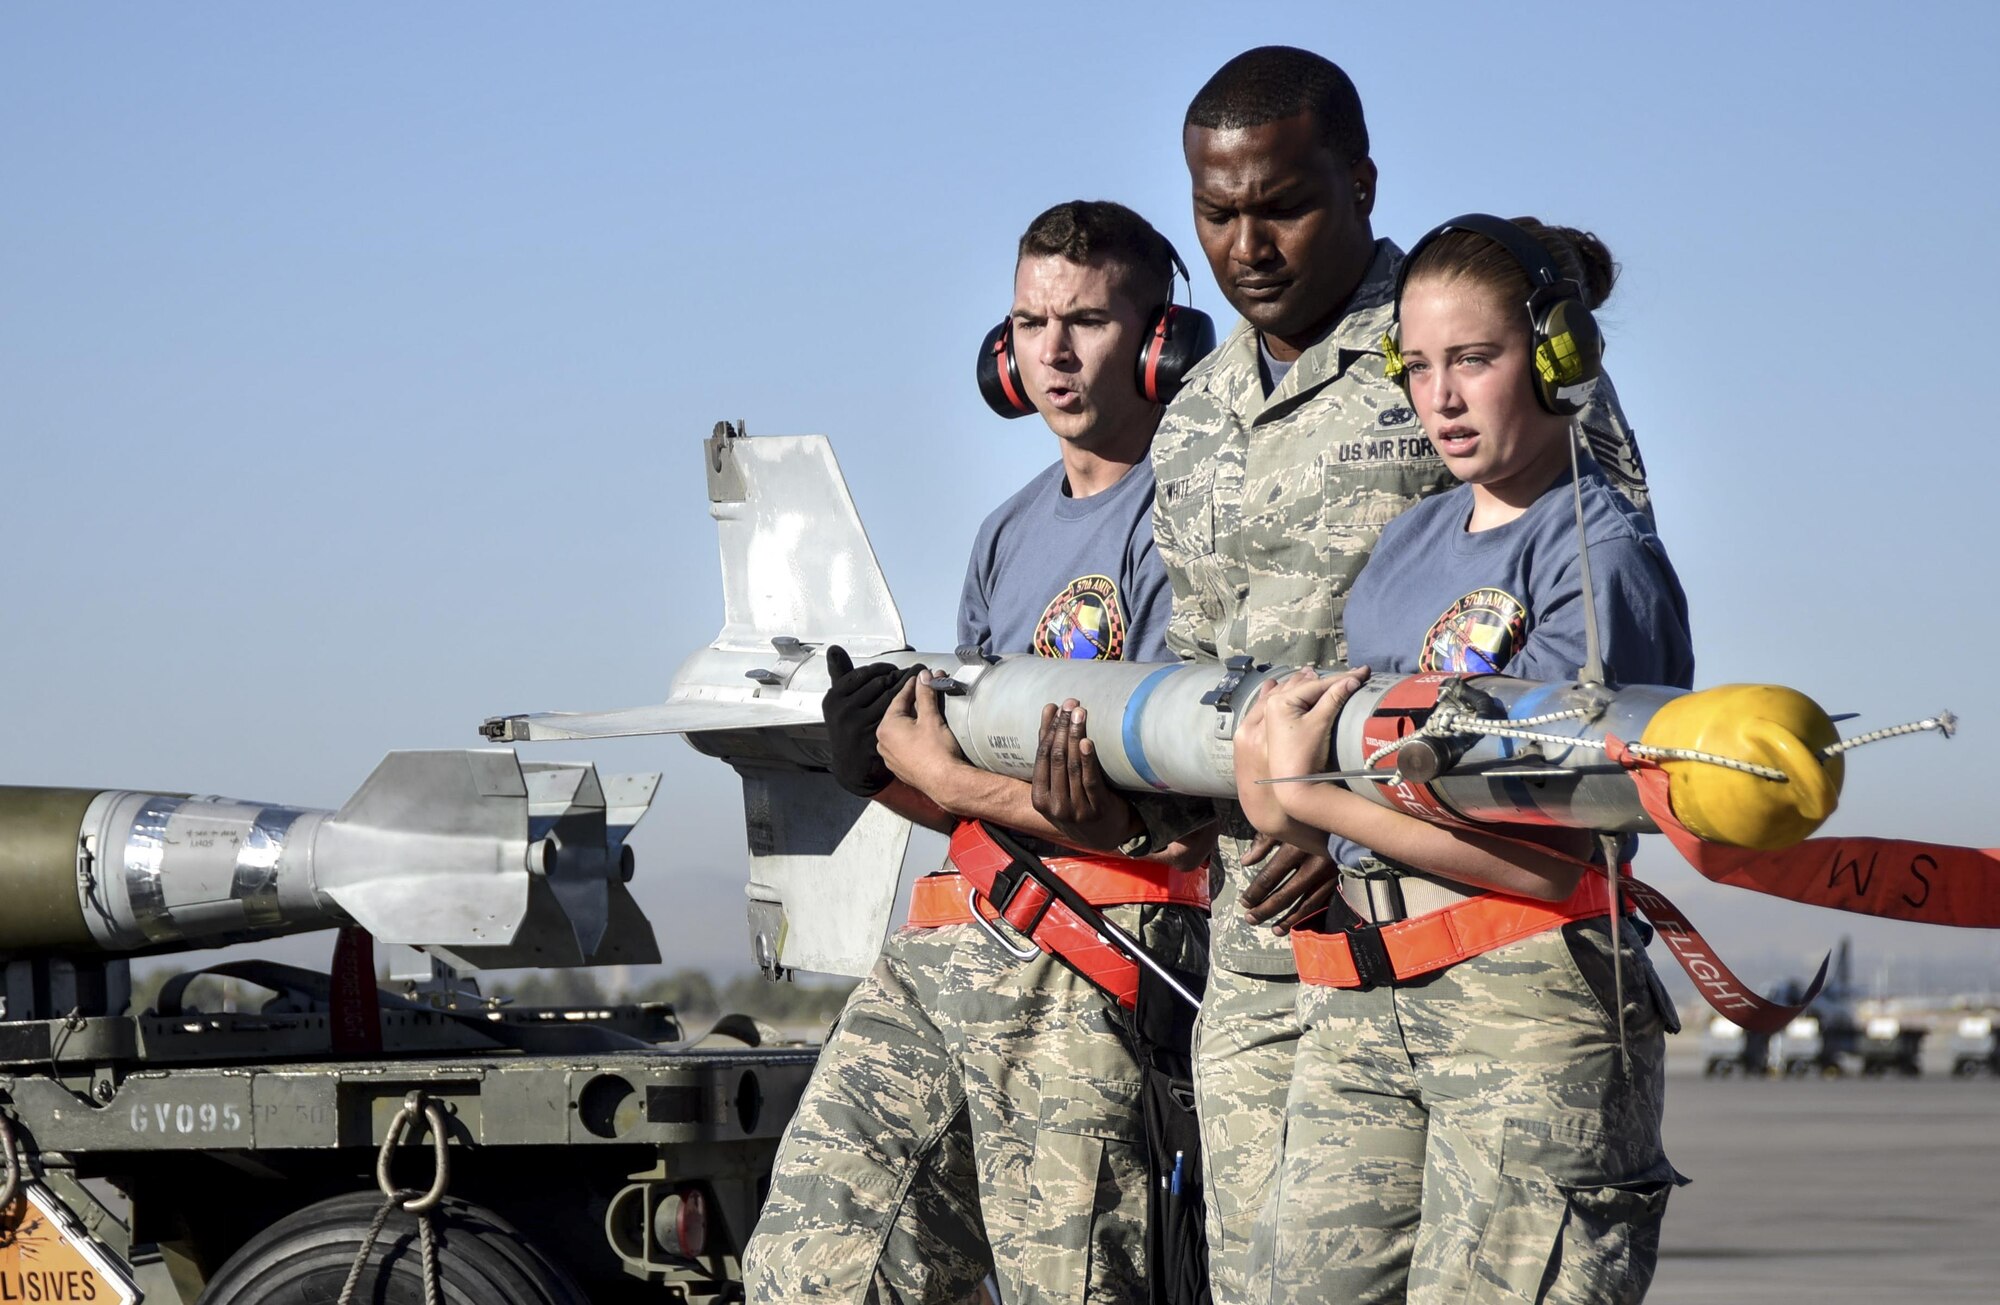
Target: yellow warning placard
47	1259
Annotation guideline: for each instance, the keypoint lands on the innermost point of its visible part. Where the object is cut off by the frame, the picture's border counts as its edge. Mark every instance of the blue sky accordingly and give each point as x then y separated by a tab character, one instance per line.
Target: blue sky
353	362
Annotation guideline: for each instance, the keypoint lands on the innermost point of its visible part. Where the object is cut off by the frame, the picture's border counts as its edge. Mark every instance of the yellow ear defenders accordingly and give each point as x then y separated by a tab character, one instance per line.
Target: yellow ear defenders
1568	348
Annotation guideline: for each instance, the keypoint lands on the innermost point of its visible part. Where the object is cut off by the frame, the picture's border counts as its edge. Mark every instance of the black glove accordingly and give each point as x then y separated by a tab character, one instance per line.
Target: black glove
853	707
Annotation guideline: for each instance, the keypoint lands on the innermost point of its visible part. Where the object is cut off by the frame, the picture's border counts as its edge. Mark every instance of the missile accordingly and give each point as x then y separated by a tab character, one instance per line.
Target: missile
1750	766
467	853
1171	728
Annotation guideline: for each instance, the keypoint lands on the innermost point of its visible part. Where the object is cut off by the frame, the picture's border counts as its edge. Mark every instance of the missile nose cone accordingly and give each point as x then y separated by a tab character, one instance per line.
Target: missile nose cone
1761	723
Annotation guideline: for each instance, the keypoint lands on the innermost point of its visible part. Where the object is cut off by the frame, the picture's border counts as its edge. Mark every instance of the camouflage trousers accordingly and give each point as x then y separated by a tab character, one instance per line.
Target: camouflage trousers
971	1112
1246	1041
1473	1137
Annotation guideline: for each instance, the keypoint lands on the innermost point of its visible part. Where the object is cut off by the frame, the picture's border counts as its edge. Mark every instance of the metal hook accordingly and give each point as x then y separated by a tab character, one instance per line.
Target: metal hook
415	1105
974	898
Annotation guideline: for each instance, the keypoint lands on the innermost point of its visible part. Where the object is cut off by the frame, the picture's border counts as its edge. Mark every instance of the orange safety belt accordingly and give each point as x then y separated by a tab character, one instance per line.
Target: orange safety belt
1368	955
988	877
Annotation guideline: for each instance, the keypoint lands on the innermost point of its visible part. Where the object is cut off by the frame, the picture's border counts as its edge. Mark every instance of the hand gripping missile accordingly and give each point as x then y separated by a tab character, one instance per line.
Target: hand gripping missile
467	853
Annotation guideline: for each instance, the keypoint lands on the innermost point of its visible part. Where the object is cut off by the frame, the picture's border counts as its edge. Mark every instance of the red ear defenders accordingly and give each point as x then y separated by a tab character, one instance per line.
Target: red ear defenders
1568	347
1176	338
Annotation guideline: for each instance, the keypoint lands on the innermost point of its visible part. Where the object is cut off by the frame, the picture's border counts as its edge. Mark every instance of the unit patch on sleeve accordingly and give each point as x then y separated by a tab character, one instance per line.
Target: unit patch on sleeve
1084	621
1476	634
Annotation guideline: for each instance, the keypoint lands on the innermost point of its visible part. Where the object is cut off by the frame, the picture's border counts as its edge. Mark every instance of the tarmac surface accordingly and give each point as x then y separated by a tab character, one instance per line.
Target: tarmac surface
1831	1191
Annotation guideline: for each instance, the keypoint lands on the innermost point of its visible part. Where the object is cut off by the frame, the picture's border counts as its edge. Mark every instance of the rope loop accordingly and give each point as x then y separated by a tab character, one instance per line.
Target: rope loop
1446	722
1944	723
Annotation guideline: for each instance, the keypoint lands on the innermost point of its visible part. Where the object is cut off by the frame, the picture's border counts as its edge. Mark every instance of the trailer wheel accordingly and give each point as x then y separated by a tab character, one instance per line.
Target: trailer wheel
304	1259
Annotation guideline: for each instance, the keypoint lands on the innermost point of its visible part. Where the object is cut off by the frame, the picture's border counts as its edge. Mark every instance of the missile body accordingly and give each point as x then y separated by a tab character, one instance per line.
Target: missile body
464	852
1172	728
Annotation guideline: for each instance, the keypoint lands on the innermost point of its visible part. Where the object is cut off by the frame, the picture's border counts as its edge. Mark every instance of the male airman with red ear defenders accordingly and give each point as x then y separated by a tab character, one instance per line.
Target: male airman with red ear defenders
977	1106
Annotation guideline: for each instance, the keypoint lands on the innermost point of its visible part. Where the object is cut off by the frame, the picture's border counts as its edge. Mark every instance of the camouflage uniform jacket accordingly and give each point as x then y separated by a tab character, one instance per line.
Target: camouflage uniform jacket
1268	507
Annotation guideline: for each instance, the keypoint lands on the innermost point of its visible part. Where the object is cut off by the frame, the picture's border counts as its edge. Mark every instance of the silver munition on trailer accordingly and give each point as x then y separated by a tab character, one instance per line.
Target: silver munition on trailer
466	852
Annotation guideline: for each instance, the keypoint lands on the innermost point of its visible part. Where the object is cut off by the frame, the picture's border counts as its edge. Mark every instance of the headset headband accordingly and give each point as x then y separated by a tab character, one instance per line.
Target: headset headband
1527	251
1174	257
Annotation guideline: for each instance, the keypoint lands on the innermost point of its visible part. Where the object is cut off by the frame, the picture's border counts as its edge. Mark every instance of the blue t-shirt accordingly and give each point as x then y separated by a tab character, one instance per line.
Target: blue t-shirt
1069	577
1435	597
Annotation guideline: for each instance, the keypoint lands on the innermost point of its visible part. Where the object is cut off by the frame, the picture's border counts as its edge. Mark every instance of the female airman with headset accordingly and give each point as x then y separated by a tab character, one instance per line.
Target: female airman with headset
1487	1126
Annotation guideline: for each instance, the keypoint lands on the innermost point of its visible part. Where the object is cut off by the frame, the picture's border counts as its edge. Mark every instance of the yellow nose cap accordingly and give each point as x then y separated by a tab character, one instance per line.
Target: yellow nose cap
1772	726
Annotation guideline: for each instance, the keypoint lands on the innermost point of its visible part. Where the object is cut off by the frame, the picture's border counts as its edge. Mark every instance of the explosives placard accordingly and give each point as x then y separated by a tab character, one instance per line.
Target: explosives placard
46	1258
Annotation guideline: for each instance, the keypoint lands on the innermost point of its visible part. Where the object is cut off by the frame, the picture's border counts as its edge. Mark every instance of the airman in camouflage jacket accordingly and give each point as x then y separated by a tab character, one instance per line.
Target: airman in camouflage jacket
1268	506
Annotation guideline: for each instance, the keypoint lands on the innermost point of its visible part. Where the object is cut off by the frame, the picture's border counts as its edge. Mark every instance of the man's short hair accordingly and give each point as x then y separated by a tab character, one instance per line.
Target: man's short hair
1274	82
1097	230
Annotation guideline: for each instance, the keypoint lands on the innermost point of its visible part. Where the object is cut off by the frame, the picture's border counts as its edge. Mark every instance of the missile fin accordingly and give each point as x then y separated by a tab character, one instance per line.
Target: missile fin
628	935
579	910
798	573
678	715
824	870
566	802
432	849
627	798
795	559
